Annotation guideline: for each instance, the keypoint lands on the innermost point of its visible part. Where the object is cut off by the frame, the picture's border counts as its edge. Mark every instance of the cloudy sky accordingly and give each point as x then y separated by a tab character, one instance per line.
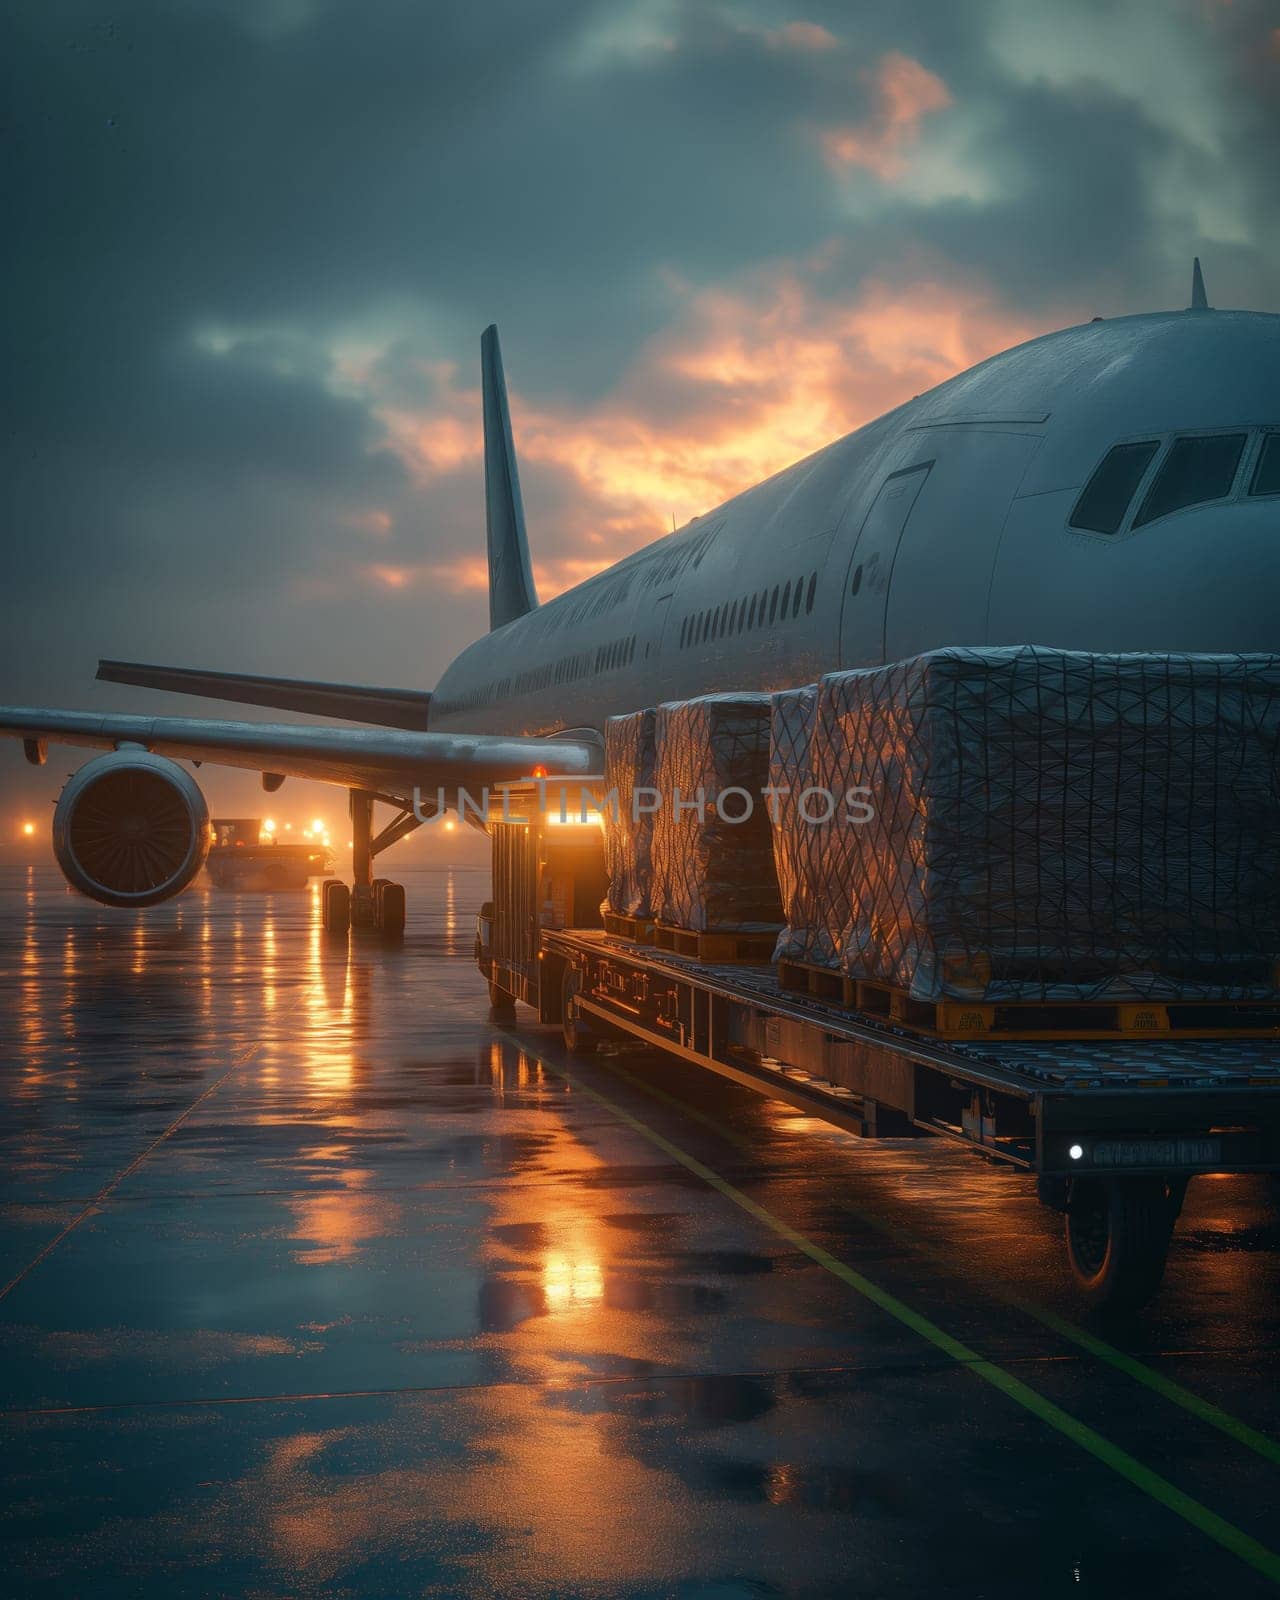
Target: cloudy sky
253	244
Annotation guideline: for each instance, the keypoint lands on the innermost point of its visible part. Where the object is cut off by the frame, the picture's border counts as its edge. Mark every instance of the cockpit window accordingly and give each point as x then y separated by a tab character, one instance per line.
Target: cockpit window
1266	475
1106	497
1195	470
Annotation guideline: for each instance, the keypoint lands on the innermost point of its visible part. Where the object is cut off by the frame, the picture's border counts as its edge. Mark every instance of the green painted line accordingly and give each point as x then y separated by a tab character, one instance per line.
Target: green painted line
1131	1366
1189	1401
1222	1532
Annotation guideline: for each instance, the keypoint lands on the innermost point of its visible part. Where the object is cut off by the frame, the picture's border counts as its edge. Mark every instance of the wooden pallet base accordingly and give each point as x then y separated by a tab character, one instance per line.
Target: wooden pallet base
1037	1019
638	929
715	946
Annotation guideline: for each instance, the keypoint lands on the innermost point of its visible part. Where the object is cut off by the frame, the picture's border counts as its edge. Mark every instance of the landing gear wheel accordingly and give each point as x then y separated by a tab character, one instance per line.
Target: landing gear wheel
335	907
1118	1232
389	908
579	1039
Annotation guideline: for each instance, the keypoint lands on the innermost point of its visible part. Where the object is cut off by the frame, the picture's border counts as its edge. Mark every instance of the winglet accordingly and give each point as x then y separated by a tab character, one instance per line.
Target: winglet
511	590
1198	300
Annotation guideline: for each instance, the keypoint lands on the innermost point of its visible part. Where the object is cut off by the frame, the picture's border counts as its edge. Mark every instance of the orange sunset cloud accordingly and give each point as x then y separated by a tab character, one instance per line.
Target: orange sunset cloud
904	93
743	384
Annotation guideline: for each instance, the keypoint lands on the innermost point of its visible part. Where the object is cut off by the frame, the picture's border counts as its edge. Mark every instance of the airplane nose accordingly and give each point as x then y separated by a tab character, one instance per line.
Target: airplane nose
1233	593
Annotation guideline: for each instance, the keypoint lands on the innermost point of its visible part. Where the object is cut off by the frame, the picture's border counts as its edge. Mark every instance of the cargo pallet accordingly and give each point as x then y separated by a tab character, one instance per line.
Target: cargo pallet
1112	1127
705	944
1036	1019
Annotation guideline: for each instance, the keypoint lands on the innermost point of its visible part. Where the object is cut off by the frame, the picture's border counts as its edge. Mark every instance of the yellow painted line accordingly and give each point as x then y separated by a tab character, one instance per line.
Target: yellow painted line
1199	1516
1260	1443
1131	1366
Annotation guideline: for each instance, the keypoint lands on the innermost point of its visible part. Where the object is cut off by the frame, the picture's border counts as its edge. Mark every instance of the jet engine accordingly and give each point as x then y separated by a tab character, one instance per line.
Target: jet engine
131	828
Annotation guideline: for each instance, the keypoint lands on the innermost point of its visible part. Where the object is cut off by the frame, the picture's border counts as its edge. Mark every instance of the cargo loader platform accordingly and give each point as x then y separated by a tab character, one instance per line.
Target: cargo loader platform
1112	1113
1112	1129
1214	1104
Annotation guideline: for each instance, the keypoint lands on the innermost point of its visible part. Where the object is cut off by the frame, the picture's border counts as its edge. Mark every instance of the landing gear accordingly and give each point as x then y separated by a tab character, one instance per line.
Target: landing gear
335	907
374	904
388	910
1118	1233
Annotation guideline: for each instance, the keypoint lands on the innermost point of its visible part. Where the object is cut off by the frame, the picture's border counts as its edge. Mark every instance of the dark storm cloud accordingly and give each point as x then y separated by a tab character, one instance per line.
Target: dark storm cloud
252	244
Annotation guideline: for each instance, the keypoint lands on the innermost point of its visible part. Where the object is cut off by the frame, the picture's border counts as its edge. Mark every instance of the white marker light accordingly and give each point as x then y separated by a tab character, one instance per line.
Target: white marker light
1076	1152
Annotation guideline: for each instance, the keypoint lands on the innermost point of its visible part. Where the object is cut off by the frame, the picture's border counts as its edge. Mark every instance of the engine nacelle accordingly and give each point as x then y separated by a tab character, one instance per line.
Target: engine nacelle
131	829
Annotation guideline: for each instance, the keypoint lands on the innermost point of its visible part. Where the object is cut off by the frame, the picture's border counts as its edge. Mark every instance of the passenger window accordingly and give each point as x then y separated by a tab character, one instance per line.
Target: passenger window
786	600
773	603
1106	497
799	595
751	615
1266	475
808	599
1195	470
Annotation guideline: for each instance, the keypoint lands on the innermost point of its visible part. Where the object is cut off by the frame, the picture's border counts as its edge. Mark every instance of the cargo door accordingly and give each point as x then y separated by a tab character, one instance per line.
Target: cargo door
866	590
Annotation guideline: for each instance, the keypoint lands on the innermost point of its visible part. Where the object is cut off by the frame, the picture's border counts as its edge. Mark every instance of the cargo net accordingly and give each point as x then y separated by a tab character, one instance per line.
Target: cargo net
630	764
711	871
1048	825
792	718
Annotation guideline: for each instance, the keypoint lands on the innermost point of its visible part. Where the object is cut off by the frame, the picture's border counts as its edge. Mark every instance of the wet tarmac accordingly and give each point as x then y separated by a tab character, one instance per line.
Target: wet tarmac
316	1283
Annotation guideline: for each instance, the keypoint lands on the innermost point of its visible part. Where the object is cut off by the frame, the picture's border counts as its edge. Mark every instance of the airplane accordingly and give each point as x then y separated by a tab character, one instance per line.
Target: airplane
1111	486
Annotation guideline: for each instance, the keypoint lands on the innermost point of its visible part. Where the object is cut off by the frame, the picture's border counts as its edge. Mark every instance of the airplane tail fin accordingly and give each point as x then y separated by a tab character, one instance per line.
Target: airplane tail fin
1199	300
511	589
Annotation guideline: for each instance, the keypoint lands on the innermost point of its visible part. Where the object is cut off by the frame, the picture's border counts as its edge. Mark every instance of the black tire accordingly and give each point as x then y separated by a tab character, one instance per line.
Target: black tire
1118	1232
580	1039
390	909
336	908
502	1007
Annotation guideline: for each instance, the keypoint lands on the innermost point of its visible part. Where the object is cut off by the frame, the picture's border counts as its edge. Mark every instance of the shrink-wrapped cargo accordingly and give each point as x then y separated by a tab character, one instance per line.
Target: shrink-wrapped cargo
629	769
791	725
1056	825
712	871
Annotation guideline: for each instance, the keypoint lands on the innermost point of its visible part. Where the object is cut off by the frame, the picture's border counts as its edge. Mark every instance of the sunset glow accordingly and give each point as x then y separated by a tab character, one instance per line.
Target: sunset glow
904	93
745	381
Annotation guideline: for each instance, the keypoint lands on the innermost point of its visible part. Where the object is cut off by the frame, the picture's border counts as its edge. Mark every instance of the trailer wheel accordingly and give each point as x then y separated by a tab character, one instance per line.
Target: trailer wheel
502	1006
1118	1232
579	1039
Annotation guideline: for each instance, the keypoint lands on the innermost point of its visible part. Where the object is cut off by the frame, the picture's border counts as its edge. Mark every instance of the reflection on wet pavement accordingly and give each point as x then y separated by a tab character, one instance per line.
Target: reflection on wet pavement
319	1285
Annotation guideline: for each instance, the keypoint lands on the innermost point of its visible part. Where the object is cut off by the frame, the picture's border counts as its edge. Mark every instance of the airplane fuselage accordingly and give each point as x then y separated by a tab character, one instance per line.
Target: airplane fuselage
948	521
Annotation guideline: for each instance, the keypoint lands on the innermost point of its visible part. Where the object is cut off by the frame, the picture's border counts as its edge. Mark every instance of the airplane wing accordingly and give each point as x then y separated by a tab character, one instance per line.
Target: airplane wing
379	759
385	708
